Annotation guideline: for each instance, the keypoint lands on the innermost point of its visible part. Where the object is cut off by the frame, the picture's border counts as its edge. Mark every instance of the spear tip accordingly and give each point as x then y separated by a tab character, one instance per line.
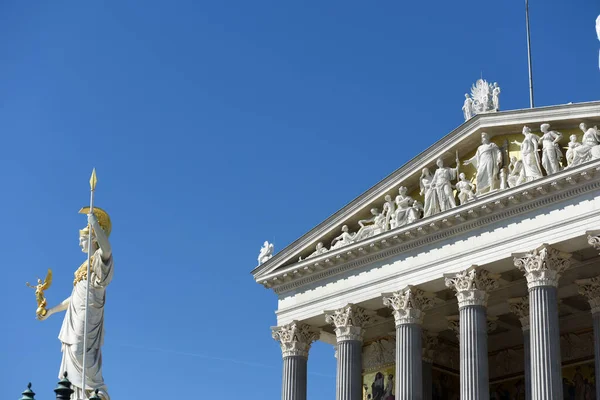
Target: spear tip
93	180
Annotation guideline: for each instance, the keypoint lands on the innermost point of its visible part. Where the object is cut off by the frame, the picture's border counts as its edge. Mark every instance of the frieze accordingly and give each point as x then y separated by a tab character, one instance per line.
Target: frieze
496	206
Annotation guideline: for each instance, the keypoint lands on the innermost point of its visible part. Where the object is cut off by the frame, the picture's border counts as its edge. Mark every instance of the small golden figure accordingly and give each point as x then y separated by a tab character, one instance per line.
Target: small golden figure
39	293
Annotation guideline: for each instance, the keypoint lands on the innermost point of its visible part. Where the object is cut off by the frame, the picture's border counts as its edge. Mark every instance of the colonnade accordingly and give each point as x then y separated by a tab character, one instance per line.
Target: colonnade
538	313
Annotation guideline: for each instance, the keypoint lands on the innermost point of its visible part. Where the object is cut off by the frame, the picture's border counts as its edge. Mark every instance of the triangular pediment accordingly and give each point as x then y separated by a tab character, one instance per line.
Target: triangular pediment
503	128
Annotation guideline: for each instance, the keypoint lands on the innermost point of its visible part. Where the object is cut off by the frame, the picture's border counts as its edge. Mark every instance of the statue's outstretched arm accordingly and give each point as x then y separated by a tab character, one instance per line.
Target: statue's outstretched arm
61	307
101	237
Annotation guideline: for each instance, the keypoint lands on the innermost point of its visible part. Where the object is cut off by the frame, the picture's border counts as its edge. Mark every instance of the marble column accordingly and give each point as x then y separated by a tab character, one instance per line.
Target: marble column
409	305
295	340
542	268
520	307
430	345
349	323
472	286
590	288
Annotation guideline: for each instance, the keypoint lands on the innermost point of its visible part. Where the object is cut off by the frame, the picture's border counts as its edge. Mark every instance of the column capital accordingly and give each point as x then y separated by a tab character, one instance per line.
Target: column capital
430	344
472	286
295	338
590	288
520	307
409	304
542	266
593	238
349	322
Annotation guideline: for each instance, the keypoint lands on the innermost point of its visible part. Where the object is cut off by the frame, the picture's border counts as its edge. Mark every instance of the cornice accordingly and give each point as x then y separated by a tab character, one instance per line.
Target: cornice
448	143
486	210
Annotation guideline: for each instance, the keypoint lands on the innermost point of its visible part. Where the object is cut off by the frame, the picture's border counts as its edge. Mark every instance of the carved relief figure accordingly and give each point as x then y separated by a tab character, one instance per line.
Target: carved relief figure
465	189
487	161
551	153
377	225
583	153
515	168
570	149
431	203
443	186
405	214
389	209
344	239
318	251
529	156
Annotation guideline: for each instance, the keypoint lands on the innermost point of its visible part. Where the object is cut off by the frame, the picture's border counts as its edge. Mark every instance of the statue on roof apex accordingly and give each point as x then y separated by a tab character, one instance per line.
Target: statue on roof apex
266	252
598	30
485	97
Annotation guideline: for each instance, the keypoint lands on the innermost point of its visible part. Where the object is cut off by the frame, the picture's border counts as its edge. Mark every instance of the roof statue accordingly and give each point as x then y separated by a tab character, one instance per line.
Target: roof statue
266	252
598	30
485	97
83	324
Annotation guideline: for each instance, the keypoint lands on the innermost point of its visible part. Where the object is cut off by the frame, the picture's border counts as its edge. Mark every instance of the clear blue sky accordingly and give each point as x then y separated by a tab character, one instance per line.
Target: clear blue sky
215	125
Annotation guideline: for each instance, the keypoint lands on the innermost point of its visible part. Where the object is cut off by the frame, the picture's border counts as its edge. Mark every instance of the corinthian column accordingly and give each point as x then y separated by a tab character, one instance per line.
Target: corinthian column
349	323
430	346
590	288
408	306
295	340
520	307
543	268
471	288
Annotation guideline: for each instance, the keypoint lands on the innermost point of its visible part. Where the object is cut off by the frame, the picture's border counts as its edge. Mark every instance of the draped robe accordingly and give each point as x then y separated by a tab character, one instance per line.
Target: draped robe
486	160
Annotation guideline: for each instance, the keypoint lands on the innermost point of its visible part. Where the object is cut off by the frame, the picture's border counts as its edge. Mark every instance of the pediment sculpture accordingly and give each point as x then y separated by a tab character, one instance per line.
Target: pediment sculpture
540	155
484	97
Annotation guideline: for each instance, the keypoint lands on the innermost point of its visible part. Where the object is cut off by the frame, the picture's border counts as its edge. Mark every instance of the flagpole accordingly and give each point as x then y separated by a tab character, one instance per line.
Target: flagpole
529	55
87	286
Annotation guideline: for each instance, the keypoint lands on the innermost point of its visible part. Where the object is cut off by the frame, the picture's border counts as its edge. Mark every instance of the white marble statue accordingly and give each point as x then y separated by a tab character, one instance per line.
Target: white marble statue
551	153
487	160
344	239
431	204
372	226
405	213
515	169
468	107
532	169
585	151
389	209
465	189
266	252
598	33
320	249
72	331
442	183
570	149
496	96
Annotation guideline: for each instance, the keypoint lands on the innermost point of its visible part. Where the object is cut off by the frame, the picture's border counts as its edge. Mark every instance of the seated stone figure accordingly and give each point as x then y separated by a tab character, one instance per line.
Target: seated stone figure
377	226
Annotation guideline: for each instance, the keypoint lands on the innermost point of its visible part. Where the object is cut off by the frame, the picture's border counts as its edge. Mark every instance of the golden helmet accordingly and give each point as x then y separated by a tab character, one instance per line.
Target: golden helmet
103	220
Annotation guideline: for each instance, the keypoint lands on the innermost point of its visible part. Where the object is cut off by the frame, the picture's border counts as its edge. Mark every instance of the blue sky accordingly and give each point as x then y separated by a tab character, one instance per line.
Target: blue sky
215	126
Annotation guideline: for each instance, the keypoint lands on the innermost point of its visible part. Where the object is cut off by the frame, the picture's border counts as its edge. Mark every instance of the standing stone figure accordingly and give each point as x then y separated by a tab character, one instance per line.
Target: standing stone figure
487	161
468	107
496	96
72	331
532	169
431	204
442	185
571	149
551	153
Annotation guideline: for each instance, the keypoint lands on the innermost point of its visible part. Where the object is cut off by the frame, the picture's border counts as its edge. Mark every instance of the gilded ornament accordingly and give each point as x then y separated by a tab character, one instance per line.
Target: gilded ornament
39	293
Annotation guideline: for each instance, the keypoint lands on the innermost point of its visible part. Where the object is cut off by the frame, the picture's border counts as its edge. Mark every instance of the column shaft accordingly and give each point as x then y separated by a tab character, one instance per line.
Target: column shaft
546	374
527	358
427	380
349	370
596	317
294	378
474	374
409	354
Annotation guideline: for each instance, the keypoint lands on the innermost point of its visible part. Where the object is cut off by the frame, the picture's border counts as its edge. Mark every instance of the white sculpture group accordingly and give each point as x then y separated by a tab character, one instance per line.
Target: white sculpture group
485	97
440	193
